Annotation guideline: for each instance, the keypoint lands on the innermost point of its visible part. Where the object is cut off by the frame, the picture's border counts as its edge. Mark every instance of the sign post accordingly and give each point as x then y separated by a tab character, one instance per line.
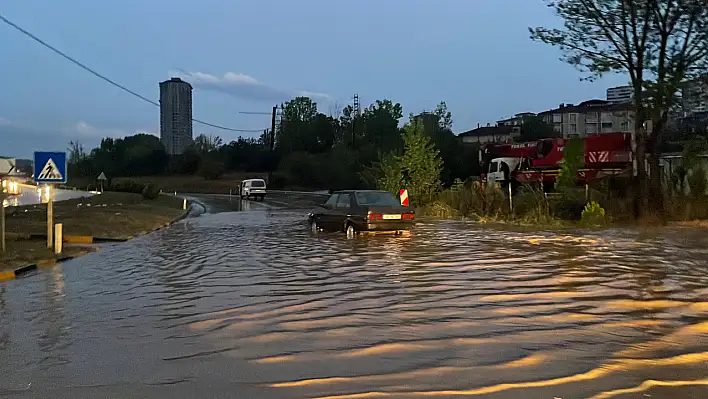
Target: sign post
101	178
7	166
3	195
50	216
50	168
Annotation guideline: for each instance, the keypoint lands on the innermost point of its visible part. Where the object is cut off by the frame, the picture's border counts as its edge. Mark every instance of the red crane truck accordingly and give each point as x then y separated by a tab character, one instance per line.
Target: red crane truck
607	154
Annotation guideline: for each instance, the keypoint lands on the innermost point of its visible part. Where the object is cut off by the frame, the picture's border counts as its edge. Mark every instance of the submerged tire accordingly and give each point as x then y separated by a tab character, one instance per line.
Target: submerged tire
351	231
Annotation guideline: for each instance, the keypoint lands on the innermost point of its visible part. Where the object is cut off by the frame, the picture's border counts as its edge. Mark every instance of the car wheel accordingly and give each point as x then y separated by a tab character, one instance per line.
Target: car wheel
351	231
314	227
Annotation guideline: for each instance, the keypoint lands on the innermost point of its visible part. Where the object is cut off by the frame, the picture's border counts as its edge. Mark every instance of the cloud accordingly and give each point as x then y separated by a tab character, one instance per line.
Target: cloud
243	86
86	130
21	140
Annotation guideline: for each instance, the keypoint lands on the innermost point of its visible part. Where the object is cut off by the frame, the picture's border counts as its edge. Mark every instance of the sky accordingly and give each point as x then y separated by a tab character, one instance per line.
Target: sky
246	56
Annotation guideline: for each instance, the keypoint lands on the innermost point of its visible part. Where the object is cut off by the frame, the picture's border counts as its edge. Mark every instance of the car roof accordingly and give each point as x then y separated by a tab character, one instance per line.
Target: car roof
358	191
245	180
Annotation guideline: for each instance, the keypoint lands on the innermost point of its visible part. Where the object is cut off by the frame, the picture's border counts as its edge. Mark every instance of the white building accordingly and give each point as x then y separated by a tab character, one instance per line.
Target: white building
620	94
695	96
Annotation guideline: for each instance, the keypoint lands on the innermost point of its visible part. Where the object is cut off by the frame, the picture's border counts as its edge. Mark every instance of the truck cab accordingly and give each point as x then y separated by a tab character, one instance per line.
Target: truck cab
500	169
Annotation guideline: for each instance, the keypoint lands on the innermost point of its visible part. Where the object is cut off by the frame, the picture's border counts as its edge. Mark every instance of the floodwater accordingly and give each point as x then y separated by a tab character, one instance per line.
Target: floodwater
31	195
250	304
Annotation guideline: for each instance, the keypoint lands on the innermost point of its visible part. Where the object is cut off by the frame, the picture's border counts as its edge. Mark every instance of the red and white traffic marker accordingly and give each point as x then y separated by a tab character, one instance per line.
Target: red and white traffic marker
404	196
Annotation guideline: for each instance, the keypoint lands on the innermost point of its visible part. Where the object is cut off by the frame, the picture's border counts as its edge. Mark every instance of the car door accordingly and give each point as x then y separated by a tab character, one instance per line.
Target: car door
324	214
341	211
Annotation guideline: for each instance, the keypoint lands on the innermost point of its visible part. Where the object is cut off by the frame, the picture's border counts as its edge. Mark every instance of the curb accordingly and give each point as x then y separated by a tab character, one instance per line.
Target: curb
81	240
12	274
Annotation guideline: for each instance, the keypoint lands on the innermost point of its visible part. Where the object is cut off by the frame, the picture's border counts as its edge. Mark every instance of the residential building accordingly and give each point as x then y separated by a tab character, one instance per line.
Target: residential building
490	134
695	96
620	94
175	115
590	118
516	120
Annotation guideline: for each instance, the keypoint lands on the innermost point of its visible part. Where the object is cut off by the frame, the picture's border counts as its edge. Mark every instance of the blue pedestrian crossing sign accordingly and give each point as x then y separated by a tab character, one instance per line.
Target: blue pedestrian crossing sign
50	167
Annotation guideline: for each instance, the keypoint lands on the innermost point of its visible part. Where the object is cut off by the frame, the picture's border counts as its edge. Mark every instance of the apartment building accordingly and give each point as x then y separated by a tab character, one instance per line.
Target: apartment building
590	118
516	120
175	115
695	96
620	94
490	134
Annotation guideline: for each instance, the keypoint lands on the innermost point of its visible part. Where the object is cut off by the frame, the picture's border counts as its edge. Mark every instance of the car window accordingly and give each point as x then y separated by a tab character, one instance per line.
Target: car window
332	201
493	167
380	198
344	201
258	183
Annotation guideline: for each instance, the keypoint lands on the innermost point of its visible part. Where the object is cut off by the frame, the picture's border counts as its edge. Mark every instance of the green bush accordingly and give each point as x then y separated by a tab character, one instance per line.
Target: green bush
126	186
475	199
150	192
568	204
531	205
211	169
593	214
277	181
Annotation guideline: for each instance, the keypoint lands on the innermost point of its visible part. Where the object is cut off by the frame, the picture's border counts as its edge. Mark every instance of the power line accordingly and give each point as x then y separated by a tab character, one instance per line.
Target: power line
254	113
112	82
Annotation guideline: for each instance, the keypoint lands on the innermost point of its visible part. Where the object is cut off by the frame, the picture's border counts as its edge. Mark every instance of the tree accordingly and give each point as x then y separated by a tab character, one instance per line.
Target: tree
380	125
295	132
76	152
571	164
390	173
658	43
421	163
141	154
444	116
458	161
211	168
205	144
535	128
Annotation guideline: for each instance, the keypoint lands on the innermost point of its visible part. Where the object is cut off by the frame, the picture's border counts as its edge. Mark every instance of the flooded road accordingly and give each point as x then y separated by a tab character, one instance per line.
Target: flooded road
31	195
249	304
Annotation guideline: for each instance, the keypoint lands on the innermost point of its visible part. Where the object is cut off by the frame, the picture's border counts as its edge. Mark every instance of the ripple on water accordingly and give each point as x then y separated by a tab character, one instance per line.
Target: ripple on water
453	310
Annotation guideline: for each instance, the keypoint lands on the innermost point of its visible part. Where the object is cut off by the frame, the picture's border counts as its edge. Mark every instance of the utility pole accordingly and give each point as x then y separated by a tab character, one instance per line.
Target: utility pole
271	144
272	128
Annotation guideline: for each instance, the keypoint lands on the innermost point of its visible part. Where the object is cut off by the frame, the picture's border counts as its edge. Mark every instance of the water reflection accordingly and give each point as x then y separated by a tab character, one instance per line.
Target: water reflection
452	310
53	339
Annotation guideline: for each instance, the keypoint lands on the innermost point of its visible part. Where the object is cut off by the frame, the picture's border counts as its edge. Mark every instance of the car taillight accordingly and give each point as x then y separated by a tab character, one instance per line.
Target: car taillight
374	216
408	216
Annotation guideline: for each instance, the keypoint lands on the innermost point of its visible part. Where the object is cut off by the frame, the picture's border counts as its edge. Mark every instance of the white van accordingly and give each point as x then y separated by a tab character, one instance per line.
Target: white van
255	188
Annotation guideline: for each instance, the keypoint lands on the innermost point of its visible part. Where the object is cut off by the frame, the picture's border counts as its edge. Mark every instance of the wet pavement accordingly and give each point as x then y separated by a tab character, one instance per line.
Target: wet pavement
244	302
31	195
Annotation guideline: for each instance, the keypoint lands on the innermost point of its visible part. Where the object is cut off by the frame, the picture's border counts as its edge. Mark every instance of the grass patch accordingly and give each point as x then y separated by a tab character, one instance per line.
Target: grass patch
110	215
